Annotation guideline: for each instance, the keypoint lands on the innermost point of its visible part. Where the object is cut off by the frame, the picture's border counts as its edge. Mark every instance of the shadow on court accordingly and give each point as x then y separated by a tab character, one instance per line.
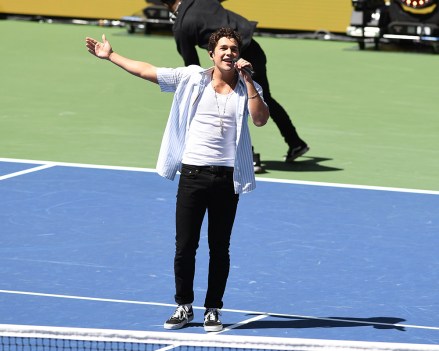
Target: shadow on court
328	322
305	164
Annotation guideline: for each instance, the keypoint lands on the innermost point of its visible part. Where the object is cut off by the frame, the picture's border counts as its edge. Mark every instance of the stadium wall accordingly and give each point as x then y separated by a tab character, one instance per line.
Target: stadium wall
303	15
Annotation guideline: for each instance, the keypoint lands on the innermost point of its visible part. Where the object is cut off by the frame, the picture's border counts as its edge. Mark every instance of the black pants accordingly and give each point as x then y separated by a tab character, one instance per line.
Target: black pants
256	56
201	189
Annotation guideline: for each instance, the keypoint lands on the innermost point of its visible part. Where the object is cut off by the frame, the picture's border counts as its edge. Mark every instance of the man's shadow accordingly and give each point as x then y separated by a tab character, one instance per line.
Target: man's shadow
305	164
327	322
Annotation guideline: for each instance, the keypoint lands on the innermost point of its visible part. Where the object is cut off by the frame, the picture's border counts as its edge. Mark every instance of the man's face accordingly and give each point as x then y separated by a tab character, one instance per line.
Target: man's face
226	51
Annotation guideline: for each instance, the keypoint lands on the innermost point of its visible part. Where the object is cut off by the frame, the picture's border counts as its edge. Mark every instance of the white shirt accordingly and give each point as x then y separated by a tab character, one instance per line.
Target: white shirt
211	137
188	83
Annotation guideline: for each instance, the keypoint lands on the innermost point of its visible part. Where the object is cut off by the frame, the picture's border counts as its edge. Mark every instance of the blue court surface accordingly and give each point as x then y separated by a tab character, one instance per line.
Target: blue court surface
92	247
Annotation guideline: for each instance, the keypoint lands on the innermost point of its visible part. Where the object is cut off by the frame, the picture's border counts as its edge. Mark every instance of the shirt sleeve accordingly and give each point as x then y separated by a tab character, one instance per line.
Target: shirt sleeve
168	78
260	91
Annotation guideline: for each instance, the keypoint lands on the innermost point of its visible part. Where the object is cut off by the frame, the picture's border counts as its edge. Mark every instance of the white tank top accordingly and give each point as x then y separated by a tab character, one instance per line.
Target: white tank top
212	134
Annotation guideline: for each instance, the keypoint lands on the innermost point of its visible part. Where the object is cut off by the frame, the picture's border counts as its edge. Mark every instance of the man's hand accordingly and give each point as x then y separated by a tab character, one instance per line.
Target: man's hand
244	67
102	50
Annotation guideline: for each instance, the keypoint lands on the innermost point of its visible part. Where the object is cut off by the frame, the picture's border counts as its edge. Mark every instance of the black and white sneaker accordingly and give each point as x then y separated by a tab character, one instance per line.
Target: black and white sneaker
182	316
296	152
257	166
211	320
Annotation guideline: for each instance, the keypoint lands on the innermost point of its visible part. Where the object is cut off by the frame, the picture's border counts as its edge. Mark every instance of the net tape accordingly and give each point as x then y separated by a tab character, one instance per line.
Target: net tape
23	337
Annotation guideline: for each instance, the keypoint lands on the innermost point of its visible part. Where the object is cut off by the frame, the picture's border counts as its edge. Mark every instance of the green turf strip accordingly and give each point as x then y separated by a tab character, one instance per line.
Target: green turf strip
370	117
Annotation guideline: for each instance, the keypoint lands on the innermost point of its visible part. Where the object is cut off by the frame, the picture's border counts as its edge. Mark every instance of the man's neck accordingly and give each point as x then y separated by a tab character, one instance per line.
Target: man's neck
222	80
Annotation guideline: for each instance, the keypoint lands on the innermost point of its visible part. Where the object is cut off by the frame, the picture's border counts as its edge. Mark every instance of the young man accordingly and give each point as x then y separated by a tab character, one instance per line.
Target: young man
207	139
195	20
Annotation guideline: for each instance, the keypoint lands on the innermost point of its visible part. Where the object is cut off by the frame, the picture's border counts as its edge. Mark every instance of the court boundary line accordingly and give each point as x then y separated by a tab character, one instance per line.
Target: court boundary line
258	313
79	165
271	180
224	330
26	171
244	322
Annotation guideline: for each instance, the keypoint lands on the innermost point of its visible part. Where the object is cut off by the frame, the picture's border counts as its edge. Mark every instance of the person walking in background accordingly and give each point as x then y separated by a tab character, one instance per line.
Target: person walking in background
194	21
207	139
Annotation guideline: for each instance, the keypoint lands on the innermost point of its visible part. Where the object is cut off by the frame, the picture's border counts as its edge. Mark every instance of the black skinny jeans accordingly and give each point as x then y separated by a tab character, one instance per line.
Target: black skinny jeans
201	189
256	56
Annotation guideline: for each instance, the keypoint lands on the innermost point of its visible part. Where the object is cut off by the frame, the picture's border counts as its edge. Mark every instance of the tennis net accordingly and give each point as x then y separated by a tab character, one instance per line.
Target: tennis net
40	338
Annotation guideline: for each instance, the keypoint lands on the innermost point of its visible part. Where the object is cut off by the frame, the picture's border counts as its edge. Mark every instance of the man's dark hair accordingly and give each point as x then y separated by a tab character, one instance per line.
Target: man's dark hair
223	33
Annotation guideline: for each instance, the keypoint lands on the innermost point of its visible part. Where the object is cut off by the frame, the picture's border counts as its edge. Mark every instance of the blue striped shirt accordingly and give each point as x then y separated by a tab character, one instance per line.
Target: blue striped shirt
188	84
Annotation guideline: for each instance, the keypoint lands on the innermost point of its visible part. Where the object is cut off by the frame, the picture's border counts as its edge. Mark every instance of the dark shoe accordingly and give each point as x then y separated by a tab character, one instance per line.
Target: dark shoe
296	152
257	167
182	316
211	320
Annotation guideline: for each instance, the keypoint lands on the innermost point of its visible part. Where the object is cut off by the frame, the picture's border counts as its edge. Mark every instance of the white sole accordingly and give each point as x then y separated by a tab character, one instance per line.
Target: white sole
213	329
177	326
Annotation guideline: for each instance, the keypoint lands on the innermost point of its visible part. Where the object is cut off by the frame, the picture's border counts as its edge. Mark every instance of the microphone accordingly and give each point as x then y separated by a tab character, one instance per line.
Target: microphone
247	70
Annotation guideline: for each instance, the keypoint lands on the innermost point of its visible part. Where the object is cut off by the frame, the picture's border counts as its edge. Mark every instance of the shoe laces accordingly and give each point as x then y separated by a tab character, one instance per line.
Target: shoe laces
212	314
181	313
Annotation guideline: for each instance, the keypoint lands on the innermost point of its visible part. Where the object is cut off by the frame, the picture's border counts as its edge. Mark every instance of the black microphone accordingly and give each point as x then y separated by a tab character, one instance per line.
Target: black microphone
246	69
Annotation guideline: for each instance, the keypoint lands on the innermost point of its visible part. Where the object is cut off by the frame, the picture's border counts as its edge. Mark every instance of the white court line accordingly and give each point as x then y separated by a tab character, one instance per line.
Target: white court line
170	347
272	180
244	322
73	297
349	186
264	314
78	165
30	170
247	321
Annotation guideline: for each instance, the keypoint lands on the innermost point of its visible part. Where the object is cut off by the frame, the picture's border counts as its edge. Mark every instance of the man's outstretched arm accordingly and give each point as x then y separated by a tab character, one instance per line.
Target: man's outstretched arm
104	51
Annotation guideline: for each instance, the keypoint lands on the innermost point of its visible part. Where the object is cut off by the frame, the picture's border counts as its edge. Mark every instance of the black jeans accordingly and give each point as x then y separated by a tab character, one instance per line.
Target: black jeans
256	56
200	189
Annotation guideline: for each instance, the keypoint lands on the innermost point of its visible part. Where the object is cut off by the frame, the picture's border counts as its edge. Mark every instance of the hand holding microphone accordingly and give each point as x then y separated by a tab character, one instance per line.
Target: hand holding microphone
246	69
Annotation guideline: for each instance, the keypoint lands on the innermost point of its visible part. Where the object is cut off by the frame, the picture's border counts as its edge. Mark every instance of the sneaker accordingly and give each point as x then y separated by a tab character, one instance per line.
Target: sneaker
211	320
182	316
257	167
296	152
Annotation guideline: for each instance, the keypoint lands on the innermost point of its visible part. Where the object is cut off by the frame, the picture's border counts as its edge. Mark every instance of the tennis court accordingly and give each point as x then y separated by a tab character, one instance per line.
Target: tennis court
339	249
